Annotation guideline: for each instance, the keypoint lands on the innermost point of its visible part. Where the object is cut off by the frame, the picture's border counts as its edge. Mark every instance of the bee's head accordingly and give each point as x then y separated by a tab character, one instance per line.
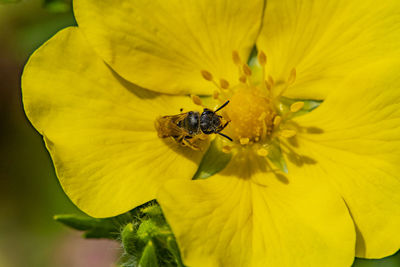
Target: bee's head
210	122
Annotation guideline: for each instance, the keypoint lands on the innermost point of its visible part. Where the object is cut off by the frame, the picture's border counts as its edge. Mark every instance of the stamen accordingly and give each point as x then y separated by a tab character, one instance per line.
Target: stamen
224	83
262	152
196	100
271	80
296	106
277	120
244	141
287	133
243	79
216	94
268	85
236	57
262	116
206	75
262	58
292	77
246	70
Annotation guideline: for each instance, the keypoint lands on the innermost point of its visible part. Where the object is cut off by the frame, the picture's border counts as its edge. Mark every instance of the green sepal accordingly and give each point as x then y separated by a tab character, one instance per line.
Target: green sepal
174	249
214	160
149	257
128	239
276	157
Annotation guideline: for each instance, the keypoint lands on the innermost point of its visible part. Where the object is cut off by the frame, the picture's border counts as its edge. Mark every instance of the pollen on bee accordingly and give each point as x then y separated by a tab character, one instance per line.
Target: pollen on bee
227	149
206	75
297	106
287	133
196	100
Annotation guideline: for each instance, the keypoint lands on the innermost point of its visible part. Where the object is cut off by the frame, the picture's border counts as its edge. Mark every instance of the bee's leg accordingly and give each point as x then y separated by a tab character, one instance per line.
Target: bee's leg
189	141
202	137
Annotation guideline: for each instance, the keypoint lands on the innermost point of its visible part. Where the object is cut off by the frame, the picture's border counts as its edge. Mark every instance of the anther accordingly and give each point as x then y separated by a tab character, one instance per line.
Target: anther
262	116
287	133
277	120
224	83
196	100
244	141
271	80
292	77
296	106
246	70
243	79
268	85
262	152
236	57
216	94
206	75
262	58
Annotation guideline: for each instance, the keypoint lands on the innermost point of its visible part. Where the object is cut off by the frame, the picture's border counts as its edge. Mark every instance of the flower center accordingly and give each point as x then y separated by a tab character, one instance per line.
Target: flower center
251	114
258	119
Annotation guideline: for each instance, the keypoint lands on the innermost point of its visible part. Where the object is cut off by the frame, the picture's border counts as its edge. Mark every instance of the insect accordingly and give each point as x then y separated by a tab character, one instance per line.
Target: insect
186	128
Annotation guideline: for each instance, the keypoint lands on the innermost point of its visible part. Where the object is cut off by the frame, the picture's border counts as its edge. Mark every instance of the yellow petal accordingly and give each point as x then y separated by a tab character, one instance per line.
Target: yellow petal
99	129
325	40
262	219
353	141
164	45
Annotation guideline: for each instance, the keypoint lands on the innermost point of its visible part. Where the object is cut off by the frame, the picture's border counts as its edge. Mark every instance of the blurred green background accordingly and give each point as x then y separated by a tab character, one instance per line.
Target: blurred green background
29	191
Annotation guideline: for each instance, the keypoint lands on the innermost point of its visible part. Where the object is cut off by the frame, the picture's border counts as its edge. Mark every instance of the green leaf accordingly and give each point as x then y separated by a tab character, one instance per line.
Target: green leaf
81	223
276	157
149	257
93	227
214	160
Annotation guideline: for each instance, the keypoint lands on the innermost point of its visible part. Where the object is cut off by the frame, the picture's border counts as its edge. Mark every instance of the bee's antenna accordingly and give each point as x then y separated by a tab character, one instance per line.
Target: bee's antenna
227	137
221	107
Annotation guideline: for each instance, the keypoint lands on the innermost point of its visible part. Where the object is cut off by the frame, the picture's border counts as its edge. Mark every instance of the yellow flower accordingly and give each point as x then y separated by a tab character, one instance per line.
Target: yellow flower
339	197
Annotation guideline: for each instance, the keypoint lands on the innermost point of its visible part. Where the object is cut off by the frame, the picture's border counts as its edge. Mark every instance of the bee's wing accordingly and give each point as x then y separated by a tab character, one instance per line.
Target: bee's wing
177	118
168	125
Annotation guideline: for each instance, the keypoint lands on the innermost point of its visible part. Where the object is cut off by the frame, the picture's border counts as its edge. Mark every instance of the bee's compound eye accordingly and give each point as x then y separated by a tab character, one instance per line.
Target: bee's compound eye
216	121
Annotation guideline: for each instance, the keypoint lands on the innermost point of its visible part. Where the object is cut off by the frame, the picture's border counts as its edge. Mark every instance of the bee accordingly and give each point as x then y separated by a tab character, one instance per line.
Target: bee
186	128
